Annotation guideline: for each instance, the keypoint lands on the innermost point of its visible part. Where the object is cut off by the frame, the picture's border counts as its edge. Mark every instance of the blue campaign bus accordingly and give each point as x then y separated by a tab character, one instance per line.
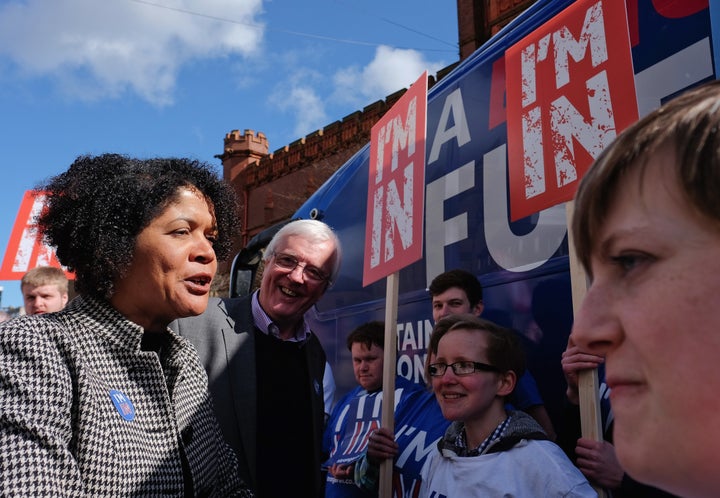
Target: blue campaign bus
523	265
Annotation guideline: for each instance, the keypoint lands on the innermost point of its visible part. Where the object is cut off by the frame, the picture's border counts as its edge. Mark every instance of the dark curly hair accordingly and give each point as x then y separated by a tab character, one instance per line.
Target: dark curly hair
96	209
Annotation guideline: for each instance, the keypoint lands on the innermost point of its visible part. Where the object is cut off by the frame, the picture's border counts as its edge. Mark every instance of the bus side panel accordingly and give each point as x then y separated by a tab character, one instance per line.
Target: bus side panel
523	265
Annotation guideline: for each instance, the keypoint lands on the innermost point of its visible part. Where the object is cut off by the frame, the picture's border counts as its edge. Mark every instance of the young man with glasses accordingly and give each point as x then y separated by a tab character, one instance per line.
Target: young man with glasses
459	291
488	450
452	293
266	367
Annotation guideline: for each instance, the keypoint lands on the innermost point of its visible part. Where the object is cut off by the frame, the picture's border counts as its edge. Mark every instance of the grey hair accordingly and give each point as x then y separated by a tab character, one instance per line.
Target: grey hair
314	231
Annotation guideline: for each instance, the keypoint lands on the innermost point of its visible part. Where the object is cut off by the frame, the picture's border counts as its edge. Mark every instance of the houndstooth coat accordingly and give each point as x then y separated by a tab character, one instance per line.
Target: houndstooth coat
85	412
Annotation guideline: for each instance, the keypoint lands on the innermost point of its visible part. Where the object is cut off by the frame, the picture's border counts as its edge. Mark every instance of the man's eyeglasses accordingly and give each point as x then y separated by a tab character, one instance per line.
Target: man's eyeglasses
289	263
460	368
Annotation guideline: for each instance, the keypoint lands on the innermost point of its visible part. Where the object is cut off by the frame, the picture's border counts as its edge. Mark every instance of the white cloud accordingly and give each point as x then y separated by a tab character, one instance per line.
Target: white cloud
310	110
101	49
392	69
302	101
309	97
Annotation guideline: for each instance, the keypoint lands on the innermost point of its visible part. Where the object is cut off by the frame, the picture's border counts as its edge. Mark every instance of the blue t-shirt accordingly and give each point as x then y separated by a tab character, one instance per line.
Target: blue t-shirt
419	425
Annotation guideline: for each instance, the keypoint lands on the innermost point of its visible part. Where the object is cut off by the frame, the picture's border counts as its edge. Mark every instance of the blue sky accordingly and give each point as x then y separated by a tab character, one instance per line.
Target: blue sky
172	77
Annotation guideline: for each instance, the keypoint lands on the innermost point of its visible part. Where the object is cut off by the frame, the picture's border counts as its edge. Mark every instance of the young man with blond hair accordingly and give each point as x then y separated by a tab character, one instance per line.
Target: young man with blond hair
44	290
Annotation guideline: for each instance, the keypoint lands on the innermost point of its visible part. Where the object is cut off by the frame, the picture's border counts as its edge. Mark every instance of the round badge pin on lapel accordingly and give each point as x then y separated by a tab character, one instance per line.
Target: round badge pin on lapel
122	404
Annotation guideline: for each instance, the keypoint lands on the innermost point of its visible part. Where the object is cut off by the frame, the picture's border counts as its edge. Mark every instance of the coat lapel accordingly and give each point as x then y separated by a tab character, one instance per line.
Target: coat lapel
239	338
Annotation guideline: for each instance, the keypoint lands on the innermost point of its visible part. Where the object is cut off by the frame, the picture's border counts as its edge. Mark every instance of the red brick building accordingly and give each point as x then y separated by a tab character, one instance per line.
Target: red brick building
272	185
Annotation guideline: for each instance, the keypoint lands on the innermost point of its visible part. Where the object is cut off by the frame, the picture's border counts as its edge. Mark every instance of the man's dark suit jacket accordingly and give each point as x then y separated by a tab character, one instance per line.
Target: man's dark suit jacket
224	336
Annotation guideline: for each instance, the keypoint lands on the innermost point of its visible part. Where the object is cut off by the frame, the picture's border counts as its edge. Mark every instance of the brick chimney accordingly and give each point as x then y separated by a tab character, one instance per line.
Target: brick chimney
478	20
471	26
241	150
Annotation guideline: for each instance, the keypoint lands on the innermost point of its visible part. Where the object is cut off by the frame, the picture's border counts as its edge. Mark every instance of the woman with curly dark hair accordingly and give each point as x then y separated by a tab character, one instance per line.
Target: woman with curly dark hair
102	398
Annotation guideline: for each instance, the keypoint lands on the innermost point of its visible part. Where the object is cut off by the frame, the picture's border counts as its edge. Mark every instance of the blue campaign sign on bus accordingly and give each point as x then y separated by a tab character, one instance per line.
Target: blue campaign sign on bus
522	264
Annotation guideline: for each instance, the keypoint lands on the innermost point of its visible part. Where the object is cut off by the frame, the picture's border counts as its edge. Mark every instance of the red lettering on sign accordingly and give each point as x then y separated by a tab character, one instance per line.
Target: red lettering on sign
396	186
25	249
570	90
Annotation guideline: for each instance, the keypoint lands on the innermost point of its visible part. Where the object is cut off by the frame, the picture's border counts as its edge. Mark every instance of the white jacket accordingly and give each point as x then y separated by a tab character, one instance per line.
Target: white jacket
532	468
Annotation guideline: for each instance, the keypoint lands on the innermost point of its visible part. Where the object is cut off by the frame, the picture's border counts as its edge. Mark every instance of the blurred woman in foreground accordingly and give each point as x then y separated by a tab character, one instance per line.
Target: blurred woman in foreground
647	229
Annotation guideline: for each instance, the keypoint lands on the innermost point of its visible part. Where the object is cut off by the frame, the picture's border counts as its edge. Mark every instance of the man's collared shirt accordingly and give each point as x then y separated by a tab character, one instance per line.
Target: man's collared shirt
268	327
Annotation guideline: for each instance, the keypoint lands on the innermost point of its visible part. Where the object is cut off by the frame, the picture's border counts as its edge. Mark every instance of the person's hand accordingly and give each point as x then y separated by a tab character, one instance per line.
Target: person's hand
573	361
381	445
342	471
598	462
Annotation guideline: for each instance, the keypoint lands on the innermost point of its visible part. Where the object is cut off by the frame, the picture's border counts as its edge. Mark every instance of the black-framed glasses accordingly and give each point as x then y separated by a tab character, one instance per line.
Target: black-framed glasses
289	263
460	368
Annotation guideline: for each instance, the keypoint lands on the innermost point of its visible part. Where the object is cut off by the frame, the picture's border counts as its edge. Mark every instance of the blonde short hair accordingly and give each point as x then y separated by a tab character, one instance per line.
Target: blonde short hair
45	275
